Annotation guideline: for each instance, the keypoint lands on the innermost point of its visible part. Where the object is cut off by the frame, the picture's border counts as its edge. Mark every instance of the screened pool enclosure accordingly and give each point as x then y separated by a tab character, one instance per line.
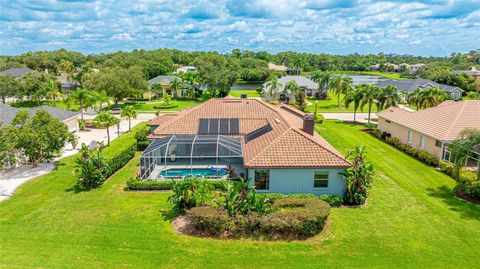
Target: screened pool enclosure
179	156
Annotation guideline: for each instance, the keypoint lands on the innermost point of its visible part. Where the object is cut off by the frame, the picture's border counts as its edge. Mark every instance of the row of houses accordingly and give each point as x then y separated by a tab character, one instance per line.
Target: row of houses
310	88
397	67
67	83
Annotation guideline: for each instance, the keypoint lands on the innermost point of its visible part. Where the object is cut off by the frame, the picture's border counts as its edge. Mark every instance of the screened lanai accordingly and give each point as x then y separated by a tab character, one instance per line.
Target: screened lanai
178	156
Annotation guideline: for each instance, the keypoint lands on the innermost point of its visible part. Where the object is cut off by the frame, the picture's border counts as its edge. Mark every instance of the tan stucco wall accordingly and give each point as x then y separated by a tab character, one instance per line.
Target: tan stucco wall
401	132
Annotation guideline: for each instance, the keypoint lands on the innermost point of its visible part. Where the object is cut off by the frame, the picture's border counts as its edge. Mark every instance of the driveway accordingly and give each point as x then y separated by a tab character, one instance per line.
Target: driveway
12	179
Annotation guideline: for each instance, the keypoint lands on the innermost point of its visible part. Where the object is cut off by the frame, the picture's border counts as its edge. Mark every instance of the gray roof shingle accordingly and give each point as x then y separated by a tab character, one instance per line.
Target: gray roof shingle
7	113
162	80
409	85
17	72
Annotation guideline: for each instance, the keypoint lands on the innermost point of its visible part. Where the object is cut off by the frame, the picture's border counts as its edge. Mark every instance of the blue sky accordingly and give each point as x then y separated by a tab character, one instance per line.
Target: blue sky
425	28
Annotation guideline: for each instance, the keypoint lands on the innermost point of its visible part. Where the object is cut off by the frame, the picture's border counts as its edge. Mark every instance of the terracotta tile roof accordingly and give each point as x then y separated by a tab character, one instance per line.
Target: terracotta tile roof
286	145
443	122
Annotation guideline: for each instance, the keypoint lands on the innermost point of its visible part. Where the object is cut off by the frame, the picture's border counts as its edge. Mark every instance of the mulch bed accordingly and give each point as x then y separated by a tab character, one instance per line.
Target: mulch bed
465	197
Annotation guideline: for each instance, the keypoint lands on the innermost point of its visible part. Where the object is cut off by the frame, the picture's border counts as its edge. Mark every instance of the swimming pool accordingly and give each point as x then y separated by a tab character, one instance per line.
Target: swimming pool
193	172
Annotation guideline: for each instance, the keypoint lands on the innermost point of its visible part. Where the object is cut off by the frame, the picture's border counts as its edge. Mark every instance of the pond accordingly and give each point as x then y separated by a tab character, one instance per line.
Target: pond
246	86
360	79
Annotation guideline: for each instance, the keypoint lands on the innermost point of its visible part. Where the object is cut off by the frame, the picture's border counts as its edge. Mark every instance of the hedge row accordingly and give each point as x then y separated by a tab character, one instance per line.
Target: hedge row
149	185
419	154
332	200
293	218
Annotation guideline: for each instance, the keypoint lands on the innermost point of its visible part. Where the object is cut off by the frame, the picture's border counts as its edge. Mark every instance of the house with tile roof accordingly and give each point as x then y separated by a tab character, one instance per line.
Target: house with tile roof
274	145
309	87
409	85
431	129
164	83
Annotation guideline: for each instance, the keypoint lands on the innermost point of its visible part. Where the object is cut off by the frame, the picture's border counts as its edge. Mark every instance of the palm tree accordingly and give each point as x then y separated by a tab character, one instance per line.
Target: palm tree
335	85
388	97
369	97
291	86
100	98
323	79
106	119
81	95
345	86
191	80
67	100
413	98
432	97
272	85
129	112
355	96
175	85
51	91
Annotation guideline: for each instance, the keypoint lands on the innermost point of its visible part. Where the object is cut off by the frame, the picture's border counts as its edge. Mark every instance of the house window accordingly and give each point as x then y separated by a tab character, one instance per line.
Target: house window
320	180
388	121
409	137
422	142
438	143
262	179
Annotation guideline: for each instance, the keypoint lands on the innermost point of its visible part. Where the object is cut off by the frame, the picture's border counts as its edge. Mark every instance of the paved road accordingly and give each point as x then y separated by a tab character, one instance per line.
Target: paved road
12	179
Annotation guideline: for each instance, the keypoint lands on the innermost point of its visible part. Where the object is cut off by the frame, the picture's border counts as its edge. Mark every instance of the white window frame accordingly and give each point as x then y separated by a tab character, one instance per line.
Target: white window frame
421	143
409	137
324	173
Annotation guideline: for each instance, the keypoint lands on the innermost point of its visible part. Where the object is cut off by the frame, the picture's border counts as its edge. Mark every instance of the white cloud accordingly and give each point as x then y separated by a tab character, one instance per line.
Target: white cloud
122	36
260	37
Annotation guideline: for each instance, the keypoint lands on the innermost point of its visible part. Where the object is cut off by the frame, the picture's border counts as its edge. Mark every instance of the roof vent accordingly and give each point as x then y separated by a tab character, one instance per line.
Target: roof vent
277	120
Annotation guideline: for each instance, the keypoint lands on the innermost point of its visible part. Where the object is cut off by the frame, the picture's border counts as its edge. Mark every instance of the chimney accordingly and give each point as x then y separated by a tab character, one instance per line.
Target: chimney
308	124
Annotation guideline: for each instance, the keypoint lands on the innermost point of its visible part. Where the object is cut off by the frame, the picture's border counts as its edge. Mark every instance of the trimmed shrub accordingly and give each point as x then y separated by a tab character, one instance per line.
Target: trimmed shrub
120	159
468	184
419	154
148	185
318	118
211	219
294	217
447	167
142	145
332	200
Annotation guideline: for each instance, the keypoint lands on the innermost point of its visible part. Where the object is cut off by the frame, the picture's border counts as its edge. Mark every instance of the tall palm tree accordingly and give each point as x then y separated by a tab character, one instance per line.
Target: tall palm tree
81	95
388	97
191	80
272	85
51	90
291	86
106	119
324	80
413	98
175	85
129	112
354	96
335	86
345	86
432	97
369	97
100	98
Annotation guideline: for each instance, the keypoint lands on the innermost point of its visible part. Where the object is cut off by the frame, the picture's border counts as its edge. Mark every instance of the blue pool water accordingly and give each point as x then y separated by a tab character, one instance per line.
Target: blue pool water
194	172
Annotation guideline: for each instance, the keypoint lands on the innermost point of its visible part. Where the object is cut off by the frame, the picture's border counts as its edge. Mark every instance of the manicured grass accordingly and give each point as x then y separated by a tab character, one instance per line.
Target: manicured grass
250	93
58	104
411	220
331	105
373	73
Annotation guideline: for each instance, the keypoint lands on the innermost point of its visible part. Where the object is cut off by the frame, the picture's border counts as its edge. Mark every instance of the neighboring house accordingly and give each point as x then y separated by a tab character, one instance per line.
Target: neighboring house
275	67
472	72
397	67
67	84
306	85
70	118
185	69
17	72
164	82
275	146
410	85
431	129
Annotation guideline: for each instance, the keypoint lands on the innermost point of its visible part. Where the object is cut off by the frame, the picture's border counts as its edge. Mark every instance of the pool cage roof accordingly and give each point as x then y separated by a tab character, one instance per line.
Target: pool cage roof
195	146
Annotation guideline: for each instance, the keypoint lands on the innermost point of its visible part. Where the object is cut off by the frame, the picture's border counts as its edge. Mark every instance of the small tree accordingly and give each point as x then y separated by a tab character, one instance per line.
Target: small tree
300	100
359	177
91	168
73	140
463	148
129	112
41	137
9	87
8	142
106	119
81	95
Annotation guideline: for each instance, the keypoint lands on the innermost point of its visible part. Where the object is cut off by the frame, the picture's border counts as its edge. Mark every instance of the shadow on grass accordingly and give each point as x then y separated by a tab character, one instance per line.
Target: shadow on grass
446	195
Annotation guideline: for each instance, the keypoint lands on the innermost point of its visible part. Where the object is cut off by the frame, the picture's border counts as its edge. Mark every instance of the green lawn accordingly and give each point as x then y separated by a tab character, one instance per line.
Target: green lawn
250	93
411	220
331	105
58	104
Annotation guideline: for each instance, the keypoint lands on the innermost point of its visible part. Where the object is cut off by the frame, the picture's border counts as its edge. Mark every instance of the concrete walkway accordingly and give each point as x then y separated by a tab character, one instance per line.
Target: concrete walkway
361	117
12	179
